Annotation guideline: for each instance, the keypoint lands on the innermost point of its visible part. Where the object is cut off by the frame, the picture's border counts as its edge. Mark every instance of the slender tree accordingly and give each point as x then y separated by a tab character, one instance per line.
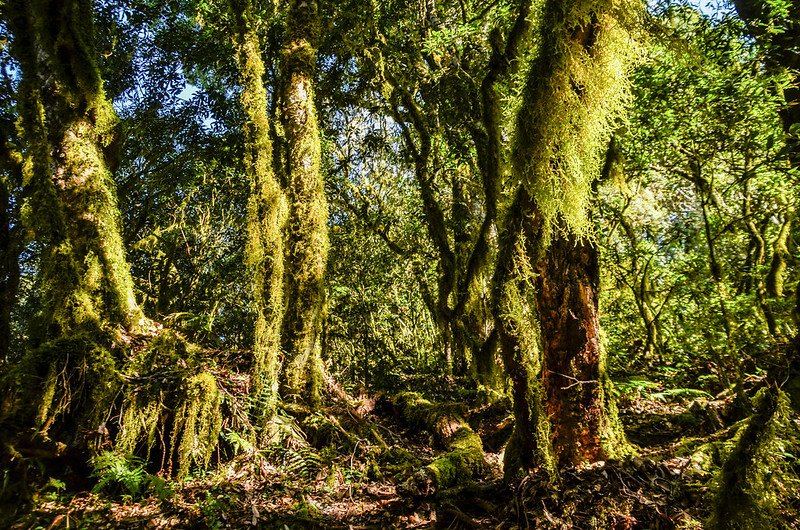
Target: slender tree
266	213
11	233
307	242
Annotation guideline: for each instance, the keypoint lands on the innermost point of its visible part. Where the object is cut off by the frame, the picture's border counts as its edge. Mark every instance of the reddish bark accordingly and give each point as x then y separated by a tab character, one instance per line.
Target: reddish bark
567	283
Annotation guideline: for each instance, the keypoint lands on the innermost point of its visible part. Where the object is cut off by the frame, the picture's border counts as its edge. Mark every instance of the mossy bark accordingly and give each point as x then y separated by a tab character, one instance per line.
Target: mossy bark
266	217
307	245
87	296
68	124
490	152
584	426
172	407
780	255
464	459
575	89
11	234
757	483
519	336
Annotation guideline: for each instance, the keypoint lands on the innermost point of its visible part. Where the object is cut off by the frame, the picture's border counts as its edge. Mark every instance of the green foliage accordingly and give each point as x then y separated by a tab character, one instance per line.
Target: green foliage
120	474
640	387
303	462
708	175
126	475
418	160
636	386
680	393
239	444
213	508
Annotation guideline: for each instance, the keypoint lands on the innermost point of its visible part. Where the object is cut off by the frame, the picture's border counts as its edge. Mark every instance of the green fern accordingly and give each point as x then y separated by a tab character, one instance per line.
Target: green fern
120	474
238	443
285	431
303	462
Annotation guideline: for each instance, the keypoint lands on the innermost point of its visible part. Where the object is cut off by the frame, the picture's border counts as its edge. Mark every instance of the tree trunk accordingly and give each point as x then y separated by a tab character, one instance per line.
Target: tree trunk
68	123
756	261
518	334
464	459
266	216
569	102
584	428
307	247
70	378
780	254
9	270
10	238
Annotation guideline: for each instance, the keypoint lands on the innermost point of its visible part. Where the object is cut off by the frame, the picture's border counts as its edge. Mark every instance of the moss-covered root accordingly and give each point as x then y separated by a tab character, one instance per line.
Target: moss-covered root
464	459
64	389
174	413
758	490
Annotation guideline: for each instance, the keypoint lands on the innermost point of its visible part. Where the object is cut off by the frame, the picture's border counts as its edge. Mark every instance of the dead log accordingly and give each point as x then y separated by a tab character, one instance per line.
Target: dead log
464	459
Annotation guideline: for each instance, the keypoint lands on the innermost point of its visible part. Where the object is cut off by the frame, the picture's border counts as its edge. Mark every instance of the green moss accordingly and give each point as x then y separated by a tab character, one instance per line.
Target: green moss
197	423
529	446
576	89
612	433
171	405
66	122
464	459
307	241
167	350
758	483
266	217
66	387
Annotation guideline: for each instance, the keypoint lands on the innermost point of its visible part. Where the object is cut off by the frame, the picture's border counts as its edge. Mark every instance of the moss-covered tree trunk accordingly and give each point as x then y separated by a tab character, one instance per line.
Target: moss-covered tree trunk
69	126
575	89
266	215
307	244
86	292
518	334
758	474
464	459
584	427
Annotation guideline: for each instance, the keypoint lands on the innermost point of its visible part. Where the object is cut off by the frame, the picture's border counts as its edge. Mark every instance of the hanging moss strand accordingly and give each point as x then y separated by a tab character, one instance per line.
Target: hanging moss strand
575	90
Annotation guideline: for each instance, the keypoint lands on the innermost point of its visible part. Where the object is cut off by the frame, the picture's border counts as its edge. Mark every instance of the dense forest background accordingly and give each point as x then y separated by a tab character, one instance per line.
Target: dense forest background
419	264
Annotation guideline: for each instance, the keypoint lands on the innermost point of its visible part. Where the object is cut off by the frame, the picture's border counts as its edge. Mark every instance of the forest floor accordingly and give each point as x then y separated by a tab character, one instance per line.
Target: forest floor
680	439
